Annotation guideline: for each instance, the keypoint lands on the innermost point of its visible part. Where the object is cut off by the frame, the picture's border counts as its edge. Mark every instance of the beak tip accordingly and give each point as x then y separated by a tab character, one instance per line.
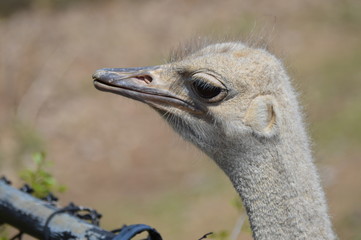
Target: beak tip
98	74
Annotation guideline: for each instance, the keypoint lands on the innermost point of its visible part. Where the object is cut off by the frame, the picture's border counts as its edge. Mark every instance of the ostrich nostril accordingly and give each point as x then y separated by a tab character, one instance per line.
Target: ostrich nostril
146	78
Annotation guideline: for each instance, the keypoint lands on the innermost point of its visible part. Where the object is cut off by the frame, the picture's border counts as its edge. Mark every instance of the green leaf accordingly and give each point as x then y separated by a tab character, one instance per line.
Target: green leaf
40	179
38	157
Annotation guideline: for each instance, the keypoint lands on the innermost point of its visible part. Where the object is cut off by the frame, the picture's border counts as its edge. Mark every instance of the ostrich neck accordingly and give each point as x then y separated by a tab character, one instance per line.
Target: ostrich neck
280	188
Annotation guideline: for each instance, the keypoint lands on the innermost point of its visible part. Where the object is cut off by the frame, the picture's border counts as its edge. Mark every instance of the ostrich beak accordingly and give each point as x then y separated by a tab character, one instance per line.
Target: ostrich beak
145	84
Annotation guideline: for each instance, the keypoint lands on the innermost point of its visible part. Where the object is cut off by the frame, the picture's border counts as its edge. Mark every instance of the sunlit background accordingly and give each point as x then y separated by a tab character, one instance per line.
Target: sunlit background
117	155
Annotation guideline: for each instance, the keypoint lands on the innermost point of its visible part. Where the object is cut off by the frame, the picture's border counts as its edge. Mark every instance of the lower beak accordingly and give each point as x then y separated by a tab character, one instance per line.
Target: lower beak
144	84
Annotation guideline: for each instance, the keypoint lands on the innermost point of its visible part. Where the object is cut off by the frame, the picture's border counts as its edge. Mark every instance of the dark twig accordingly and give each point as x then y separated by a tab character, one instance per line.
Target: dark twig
205	235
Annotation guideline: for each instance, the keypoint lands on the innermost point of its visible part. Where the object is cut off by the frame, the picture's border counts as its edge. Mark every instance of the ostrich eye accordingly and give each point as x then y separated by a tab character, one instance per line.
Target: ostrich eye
206	90
208	87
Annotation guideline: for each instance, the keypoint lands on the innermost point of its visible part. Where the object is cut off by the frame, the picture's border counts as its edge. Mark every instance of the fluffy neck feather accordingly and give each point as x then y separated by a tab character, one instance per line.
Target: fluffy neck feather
279	184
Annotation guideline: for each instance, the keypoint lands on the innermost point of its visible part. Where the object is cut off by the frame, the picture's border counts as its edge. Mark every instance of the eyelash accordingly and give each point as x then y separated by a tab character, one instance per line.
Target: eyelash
206	90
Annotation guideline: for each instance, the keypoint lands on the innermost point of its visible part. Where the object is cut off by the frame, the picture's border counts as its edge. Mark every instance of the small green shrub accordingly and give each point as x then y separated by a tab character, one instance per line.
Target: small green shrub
39	179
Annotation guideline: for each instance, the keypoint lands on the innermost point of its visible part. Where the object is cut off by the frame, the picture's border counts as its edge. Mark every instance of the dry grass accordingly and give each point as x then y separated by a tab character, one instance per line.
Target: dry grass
117	155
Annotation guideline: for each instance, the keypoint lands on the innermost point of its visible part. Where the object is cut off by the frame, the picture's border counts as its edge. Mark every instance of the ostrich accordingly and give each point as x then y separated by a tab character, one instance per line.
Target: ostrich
237	105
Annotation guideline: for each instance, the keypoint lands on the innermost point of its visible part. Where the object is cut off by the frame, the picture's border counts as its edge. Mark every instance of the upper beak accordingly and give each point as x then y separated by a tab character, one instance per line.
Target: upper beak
145	84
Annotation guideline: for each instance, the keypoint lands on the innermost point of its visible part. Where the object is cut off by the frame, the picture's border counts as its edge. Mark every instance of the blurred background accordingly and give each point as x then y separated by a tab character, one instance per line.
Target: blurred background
117	155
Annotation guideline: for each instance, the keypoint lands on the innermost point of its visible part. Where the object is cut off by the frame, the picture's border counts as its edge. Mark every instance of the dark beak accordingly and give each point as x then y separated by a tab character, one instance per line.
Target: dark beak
125	80
145	84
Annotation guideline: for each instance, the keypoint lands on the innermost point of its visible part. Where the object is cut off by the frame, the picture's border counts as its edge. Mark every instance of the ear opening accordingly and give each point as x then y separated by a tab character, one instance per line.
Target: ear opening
262	116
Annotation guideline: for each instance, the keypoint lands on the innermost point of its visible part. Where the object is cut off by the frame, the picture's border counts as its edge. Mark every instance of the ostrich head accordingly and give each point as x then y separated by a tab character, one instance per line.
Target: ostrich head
217	96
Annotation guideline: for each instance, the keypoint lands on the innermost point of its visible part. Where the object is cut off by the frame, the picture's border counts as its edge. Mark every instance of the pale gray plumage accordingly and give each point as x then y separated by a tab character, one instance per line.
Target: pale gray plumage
237	105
